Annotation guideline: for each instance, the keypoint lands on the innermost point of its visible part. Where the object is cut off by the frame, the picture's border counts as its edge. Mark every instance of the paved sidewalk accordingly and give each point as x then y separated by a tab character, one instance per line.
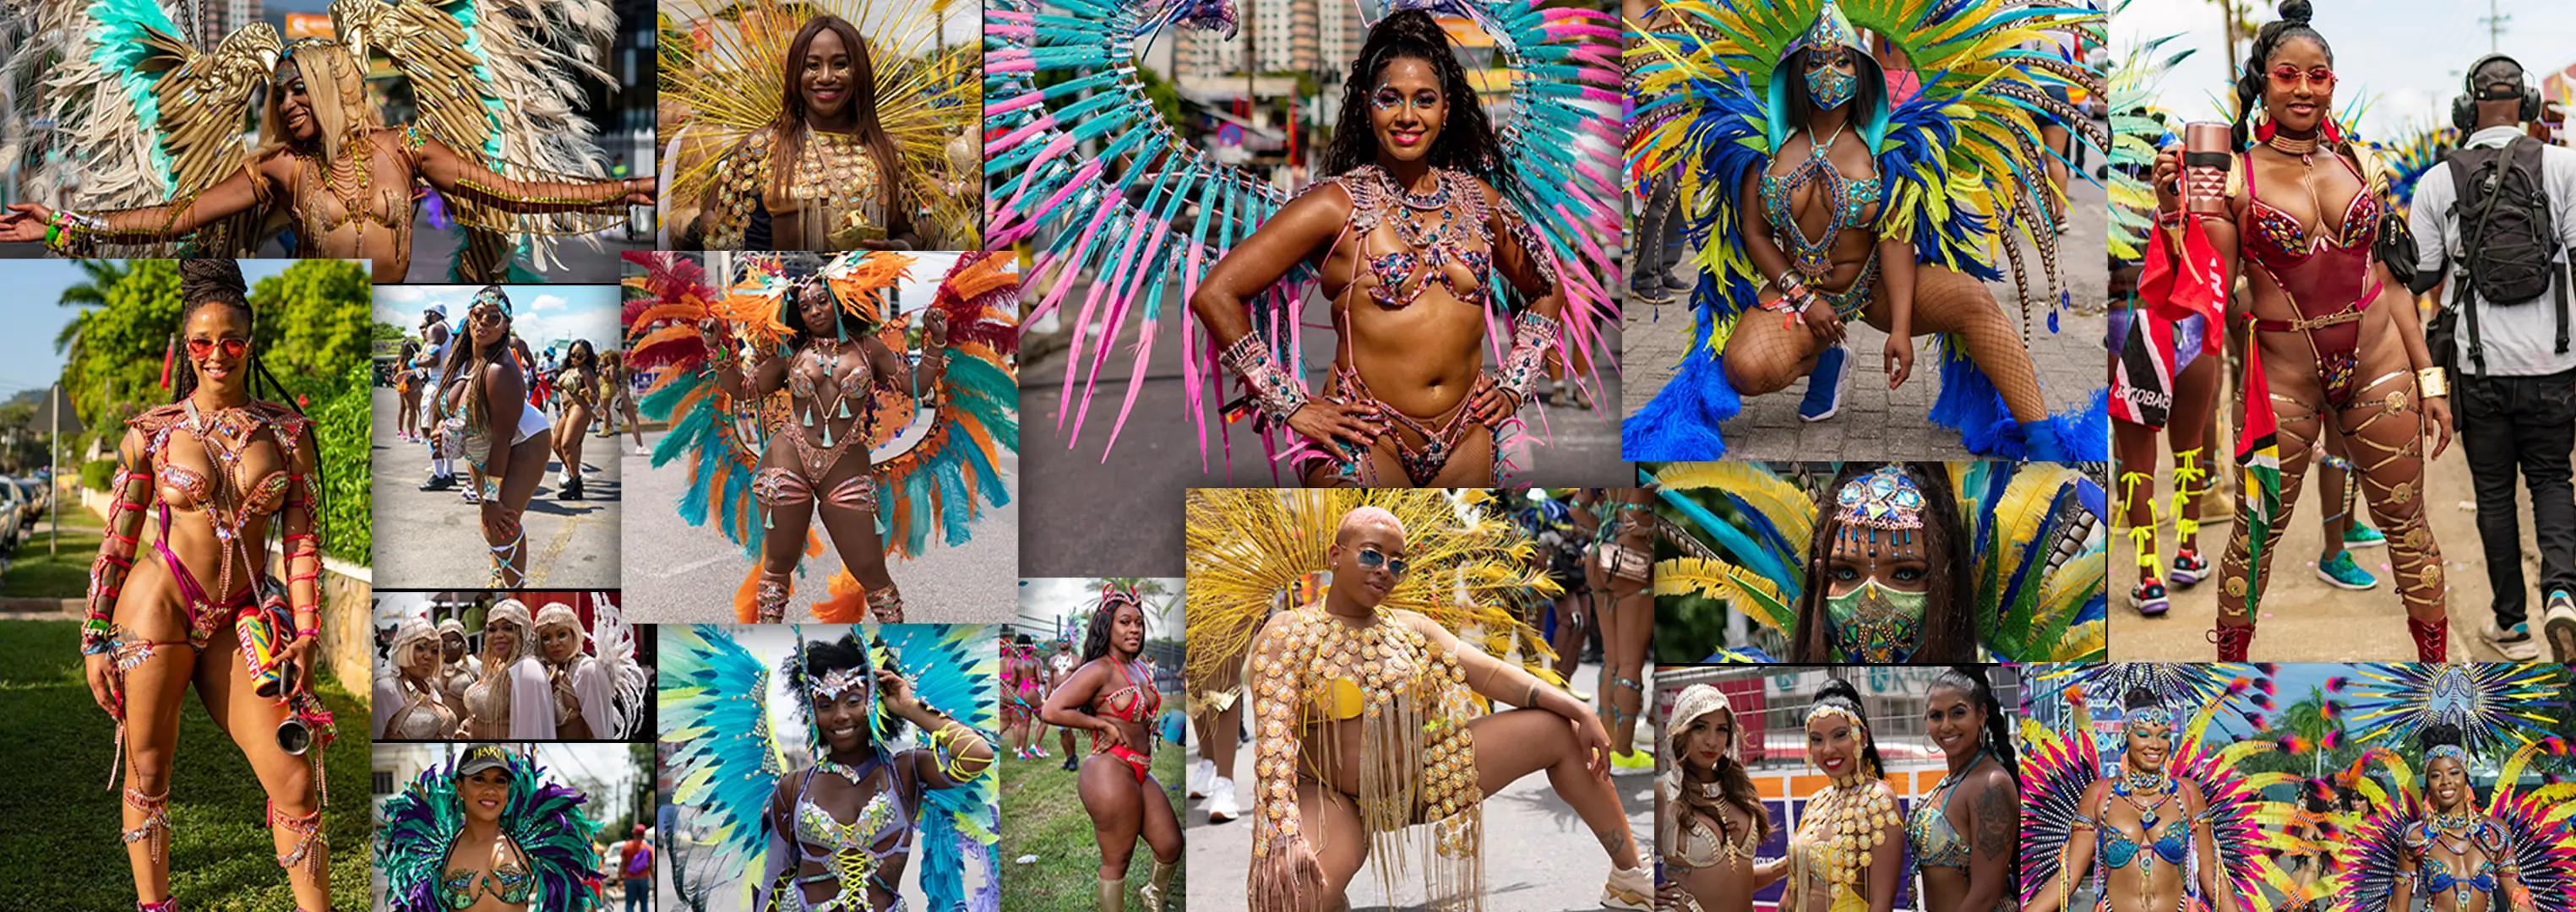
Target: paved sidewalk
1539	857
434	539
1878	423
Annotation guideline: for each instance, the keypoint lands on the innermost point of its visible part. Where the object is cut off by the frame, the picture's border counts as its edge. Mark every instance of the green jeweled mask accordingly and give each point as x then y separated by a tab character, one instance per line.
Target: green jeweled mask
1874	624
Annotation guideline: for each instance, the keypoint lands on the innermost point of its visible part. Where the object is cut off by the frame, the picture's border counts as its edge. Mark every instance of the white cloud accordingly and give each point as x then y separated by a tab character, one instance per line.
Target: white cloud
547	302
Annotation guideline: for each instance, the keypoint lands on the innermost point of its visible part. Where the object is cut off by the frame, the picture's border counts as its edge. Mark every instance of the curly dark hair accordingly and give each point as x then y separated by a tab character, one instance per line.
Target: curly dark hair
1949	626
819	658
2293	24
1467	140
1095	636
1838	692
218	283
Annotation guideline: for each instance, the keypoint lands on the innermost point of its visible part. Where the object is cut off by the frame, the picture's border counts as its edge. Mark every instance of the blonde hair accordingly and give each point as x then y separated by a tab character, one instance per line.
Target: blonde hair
339	99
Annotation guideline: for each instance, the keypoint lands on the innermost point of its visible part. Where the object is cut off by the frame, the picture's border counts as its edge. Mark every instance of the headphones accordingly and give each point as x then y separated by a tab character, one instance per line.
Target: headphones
2464	109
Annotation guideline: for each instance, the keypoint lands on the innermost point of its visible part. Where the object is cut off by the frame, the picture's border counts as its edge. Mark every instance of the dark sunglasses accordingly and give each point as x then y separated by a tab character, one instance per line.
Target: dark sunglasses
1372	559
484	315
233	346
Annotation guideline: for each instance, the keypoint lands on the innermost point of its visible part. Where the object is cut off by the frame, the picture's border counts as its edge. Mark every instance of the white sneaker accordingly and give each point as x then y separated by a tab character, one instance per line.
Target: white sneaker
640	451
1221	806
2558	624
1200	776
1629	888
2515	644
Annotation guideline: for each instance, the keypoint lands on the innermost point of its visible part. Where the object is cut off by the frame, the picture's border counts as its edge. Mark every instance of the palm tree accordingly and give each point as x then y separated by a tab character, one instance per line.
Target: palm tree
2315	720
86	388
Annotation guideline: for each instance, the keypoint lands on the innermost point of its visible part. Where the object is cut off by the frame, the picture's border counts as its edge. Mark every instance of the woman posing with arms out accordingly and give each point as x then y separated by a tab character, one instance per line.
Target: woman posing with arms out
831	362
824	176
578	387
2144	836
578	687
328	166
1406	232
2336	337
2456	858
491	836
408	705
511	700
1965	835
840	842
223	470
1708	819
1113	696
1848	854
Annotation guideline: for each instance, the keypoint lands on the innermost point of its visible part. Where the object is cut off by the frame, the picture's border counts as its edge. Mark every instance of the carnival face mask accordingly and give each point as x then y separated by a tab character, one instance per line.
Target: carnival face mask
1877	589
1874	624
1832	79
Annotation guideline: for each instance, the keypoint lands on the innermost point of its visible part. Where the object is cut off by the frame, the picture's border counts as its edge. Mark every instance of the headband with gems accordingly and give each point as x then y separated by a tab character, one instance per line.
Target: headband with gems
1823	710
2452	751
1883	499
492	293
1831	30
2145	716
839	681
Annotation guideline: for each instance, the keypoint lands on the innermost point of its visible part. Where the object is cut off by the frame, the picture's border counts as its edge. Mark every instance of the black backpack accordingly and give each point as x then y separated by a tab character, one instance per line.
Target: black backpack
2503	216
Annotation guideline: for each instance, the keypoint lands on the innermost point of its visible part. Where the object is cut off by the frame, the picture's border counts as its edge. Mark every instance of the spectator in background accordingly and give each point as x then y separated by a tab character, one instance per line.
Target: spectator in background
635	865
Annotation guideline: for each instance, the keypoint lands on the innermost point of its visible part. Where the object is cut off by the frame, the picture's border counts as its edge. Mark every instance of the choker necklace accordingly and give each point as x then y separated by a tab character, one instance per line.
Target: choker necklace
2291	145
2147	781
1437	198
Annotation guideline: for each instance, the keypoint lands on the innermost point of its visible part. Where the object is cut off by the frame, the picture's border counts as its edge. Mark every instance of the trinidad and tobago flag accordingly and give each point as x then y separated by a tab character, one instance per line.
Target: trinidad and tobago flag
2170	289
2258	452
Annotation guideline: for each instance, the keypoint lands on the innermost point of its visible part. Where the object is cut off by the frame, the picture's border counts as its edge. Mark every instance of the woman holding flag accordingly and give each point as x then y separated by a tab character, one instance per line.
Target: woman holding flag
2334	336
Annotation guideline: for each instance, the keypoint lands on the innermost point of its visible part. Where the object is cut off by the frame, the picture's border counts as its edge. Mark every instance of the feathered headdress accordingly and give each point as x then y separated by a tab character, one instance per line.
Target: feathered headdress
545	820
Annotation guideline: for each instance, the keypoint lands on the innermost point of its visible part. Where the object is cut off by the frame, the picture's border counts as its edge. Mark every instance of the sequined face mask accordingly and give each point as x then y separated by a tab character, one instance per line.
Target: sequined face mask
1829	88
1875	624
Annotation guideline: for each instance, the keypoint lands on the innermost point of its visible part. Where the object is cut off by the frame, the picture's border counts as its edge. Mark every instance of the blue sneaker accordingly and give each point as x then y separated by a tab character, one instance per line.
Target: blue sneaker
1827	384
2342	573
2361	535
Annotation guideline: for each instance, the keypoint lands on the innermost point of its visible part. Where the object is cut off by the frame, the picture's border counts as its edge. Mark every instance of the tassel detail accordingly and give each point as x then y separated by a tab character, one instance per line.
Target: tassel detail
845	407
809	420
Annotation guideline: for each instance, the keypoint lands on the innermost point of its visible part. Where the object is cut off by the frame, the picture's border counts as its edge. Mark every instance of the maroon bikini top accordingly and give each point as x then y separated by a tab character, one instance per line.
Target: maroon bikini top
2325	274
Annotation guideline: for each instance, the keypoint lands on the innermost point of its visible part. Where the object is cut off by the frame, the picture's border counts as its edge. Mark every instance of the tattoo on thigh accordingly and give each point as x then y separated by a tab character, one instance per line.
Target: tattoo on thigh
1998	822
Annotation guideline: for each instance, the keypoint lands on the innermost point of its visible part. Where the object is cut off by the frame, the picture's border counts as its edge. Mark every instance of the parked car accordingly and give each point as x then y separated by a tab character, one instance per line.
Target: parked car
13	515
40	497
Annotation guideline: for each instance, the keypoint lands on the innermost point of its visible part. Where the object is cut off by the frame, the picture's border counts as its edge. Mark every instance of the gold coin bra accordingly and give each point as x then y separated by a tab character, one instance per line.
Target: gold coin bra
1856	815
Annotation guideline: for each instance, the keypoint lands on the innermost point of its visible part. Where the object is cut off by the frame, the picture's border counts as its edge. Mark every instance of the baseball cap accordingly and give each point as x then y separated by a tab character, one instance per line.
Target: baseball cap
481	757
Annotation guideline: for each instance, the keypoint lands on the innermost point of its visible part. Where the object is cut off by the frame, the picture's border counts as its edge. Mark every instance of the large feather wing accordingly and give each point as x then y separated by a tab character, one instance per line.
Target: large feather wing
724	758
953	667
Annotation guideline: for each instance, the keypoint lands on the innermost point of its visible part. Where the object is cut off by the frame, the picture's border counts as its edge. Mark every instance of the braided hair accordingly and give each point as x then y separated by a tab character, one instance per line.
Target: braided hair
1973	681
218	283
2293	24
1838	692
1949	632
1466	141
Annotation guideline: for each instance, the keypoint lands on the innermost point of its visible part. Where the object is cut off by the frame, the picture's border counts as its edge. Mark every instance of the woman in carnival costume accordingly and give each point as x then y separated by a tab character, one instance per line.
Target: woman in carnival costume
1113	695
594	696
2335	336
408	705
224	470
511	699
490	834
1897	563
1848	854
1437	234
836	836
1371	709
151	122
1816	202
2180	826
2428	839
829	141
578	383
503	437
1709	819
1965	834
789	393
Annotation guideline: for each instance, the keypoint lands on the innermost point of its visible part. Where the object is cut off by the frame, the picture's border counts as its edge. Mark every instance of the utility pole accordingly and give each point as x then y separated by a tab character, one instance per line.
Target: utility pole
2495	26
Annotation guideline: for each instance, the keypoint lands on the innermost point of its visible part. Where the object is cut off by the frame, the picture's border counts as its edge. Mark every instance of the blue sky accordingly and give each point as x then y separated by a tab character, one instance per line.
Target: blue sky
2408	55
541	314
27	356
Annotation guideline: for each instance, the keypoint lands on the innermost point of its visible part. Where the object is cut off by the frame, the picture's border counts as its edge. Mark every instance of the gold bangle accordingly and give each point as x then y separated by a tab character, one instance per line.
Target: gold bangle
2432	383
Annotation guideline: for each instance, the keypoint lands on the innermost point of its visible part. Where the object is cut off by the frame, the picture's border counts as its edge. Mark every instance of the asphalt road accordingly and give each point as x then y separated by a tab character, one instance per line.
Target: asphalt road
1538	854
1122	517
688	574
434	540
1879	423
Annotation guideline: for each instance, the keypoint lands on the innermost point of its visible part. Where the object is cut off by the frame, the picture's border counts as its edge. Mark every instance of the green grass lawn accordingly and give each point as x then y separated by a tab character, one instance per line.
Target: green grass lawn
63	851
32	572
1042	816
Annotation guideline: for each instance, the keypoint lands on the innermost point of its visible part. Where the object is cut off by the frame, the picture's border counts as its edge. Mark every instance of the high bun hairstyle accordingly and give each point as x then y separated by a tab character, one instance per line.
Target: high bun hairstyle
2138	698
1973	681
218	283
2292	25
1838	692
1466	142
